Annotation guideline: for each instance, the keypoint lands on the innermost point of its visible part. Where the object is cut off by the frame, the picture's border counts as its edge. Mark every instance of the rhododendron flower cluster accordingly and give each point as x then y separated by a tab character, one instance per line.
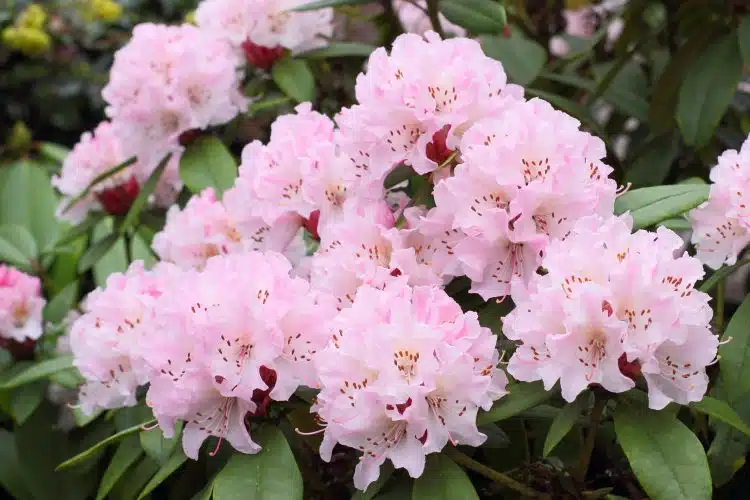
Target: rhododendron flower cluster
98	152
721	225
21	305
264	29
168	80
213	345
405	372
613	304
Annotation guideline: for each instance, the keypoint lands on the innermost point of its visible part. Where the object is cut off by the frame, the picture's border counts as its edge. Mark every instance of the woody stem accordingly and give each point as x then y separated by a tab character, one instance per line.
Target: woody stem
588	445
434	14
492	474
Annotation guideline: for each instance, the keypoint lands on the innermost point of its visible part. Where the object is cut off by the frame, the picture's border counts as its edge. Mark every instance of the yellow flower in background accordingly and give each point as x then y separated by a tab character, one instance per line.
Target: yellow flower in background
105	10
30	41
190	17
33	17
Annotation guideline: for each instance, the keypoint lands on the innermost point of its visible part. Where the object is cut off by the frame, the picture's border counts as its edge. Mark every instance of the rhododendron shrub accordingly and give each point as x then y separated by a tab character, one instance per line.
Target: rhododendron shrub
296	263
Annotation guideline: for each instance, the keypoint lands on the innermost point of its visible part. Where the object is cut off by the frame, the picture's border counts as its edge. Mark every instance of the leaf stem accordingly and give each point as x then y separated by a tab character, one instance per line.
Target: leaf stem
719	314
492	474
434	14
588	445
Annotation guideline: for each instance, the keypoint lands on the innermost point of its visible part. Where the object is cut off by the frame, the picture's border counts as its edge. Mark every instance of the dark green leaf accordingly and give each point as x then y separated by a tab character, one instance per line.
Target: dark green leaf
651	205
320	4
294	78
268	103
272	474
57	308
522	397
170	466
101	444
99	178
707	90
667	458
39	371
115	260
743	37
522	57
137	478
81	229
734	356
208	163
477	16
651	165
677	224
28	200
720	410
11	478
127	453
96	251
564	422
340	49
25	399
133	215
157	446
720	275
443	480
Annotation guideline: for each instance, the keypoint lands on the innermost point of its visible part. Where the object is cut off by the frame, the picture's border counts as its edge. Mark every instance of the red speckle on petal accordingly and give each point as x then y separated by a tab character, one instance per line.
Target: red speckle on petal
189	136
260	56
396	273
423	439
607	307
438	150
403	406
117	200
311	224
219	379
631	369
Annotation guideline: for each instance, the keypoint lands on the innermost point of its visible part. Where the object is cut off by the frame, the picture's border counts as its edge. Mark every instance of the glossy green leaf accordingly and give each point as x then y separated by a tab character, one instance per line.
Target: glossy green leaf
666	457
652	164
114	260
321	4
651	205
39	371
96	251
15	248
271	474
734	356
25	399
137	478
677	224
101	444
57	308
173	463
443	480
53	152
564	422
522	397
707	90
126	455
134	213
294	78
721	274
720	410
157	446
743	38
339	49
11	478
27	199
81	229
477	16
522	57
208	163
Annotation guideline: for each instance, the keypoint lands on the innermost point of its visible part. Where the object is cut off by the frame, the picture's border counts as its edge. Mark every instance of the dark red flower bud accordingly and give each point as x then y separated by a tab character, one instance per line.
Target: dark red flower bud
118	199
260	56
311	224
438	150
631	369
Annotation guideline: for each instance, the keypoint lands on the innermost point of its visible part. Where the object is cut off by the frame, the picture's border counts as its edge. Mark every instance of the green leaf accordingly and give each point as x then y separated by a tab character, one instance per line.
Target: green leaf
268	103
11	478
340	49
57	308
477	16
208	163
127	453
39	371
734	356
294	78
157	446
170	466
708	89
99	178
133	215
101	444
651	205
137	478
97	251
17	247
81	229
652	163
443	480
522	397
522	57
564	422
320	4
115	260
140	250
272	474
25	399
28	200
667	458
720	410
720	275
677	224
743	38
54	152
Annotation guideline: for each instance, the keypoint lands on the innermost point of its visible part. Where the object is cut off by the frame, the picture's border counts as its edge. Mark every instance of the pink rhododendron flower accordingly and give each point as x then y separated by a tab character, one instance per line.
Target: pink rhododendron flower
409	95
614	301
414	19
168	80
524	178
204	228
21	305
721	225
405	373
96	153
264	28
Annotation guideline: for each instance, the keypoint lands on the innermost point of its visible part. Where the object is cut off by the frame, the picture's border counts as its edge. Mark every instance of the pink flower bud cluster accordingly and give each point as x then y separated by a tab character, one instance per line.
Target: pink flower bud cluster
21	305
614	305
721	226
